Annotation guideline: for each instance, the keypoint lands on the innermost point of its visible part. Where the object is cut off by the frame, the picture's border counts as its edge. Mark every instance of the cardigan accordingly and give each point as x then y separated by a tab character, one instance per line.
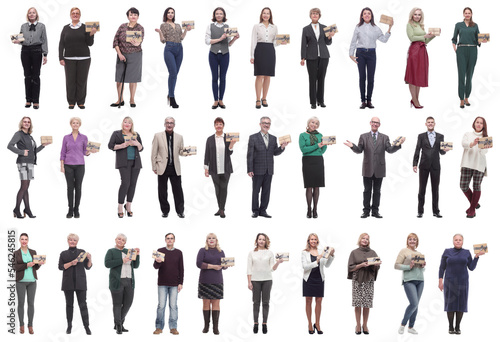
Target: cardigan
121	154
364	274
403	263
308	265
114	261
211	256
24	141
171	270
211	156
473	157
308	149
74	277
260	264
75	42
20	266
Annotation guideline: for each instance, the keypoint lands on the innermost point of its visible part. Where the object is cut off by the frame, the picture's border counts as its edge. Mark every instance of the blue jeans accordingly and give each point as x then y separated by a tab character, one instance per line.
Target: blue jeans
218	64
367	61
173	59
163	293
413	291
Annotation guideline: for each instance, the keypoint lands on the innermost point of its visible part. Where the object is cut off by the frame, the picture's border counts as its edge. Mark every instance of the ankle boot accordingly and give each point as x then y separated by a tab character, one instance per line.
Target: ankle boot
206	317
173	104
471	212
76	213
70	212
215	319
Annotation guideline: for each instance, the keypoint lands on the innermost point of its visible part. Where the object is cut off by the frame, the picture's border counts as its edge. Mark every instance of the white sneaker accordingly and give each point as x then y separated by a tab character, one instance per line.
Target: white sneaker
412	331
401	329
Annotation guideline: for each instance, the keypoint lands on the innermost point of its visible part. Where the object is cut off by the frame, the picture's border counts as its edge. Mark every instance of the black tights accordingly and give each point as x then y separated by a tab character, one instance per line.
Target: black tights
312	194
459	315
22	195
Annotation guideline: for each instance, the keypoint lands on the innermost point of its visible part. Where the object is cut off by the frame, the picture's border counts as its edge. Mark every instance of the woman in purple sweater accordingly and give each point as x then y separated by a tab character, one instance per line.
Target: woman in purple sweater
210	284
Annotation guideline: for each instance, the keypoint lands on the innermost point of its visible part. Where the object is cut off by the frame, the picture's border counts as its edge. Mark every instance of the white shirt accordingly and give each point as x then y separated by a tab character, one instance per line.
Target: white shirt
260	265
263	34
208	33
220	148
366	36
316	28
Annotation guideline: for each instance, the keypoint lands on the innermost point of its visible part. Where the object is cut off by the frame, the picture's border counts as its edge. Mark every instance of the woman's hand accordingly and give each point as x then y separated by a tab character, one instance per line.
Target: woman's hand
206	173
224	36
89	257
122	57
30	264
429	35
126	260
138	251
74	262
16	41
231	144
354	59
454	47
62	169
188	28
44	60
321	144
480	253
331	34
250	286
135	42
412	263
215	267
26	153
332	251
158	30
62	62
93	31
441	287
251	60
474	142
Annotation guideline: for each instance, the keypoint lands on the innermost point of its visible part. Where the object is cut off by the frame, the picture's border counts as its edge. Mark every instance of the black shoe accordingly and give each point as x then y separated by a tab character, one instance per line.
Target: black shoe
366	332
365	214
181	215
217	213
118	328
123	329
467	104
164	215
81	106
17	214
117	104
76	213
462	106
419	215
68	329
70	213
376	215
129	213
222	214
363	105
222	106
451	331
30	214
315	213
215	107
257	104
356	331
71	106
369	105
313	106
255	328
87	330
133	105
27	105
317	330
322	104
311	331
36	106
438	215
478	206
173	104
309	213
264	214
457	331
255	214
264	328
264	104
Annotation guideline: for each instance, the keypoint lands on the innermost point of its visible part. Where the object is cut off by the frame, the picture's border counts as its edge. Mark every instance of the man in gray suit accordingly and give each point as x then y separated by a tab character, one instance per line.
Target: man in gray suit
167	146
374	145
262	147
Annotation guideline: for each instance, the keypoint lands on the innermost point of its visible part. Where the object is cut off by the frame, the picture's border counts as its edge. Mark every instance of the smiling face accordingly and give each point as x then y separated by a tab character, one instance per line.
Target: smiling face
412	242
367	16
261	241
365	241
26	124
219	16
313	125
417	16
375	124
467	14
265	124
212	241
266	14
170	14
120	242
32	15
133	17
219	128
72	242
478	125
169	125
75	15
24	241
126	125
430	124
314	17
75	125
458	241
313	241
170	239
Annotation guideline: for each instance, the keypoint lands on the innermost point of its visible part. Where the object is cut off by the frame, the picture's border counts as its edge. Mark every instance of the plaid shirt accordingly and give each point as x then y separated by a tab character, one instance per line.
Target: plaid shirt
120	39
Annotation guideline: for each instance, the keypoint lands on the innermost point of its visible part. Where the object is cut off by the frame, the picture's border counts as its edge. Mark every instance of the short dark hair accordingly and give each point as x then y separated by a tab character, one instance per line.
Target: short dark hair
223	11
24	234
132	10
165	15
430	118
219	119
170	234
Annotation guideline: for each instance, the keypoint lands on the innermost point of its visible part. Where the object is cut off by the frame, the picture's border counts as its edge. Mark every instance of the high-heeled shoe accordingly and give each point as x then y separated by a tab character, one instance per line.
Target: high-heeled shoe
317	330
356	331
414	105
120	215
366	332
114	104
466	102
17	214
29	213
172	103
133	105
129	213
27	105
315	213
311	331
264	104
462	104
309	213
36	105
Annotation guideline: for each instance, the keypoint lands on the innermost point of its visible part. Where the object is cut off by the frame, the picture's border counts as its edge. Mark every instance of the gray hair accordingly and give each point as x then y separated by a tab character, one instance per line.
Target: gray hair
73	236
265	117
123	236
311	119
458	234
168	118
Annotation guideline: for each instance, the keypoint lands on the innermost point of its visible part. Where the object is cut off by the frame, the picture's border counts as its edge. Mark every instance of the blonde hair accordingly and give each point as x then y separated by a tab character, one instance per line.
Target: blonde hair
75	8
458	234
361	236
75	118
216	244
266	245
73	236
308	246
36	19
412	235
311	119
131	127
315	9
30	130
421	22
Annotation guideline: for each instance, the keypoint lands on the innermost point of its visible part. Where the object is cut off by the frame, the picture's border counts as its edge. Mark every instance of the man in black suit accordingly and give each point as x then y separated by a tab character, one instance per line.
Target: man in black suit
262	147
374	145
430	144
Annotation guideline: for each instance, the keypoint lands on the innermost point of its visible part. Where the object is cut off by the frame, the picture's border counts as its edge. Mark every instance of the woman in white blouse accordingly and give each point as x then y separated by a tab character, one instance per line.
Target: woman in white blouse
263	55
364	41
313	284
473	164
259	267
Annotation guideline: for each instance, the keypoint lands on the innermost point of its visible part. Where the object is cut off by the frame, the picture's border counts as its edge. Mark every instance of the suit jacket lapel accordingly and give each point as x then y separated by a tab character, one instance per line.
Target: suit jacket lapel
165	142
311	28
261	139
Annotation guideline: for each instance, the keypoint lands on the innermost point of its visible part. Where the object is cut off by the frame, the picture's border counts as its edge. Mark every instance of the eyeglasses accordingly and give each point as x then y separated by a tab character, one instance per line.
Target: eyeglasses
375	123
265	123
169	123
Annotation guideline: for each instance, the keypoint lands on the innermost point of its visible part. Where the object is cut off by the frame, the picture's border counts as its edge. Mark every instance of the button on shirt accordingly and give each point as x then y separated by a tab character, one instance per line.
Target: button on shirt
220	148
366	36
36	37
126	267
432	137
263	34
208	33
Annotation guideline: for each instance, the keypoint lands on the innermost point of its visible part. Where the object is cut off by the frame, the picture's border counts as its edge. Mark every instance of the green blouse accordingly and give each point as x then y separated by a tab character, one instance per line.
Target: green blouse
28	272
468	35
308	149
416	33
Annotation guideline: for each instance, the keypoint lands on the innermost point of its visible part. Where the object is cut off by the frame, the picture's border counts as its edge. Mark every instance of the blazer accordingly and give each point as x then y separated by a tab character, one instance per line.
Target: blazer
23	141
159	152
430	155
259	158
114	261
307	265
121	155
74	277
374	156
309	45
211	156
20	266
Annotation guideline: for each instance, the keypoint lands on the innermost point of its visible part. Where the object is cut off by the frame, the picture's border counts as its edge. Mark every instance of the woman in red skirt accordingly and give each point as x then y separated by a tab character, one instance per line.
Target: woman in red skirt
417	65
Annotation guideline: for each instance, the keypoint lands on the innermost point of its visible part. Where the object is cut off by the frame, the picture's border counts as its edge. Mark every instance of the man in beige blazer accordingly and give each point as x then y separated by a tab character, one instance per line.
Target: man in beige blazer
167	146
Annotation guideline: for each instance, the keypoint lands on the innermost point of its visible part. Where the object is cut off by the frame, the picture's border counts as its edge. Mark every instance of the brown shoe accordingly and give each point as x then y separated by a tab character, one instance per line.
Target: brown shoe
157	331
21	329
30	329
174	332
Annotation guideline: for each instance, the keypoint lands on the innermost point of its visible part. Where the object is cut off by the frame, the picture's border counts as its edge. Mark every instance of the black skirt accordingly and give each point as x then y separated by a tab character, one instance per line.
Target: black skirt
314	286
313	170
264	59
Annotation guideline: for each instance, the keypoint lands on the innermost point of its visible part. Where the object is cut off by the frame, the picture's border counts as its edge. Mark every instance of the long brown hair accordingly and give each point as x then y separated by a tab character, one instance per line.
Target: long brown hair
485	127
361	20
270	15
267	244
471	22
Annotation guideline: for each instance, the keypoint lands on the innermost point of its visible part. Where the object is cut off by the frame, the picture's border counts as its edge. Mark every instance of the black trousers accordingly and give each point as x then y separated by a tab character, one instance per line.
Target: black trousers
367	62
81	296
372	184
220	182
129	176
175	182
317	72
74	178
77	72
122	300
31	58
423	177
261	182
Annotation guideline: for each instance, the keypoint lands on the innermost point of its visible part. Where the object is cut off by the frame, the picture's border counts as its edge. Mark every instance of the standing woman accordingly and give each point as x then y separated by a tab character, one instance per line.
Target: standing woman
74	56
23	144
466	50
218	56
73	151
454	264
210	283
364	41
129	57
263	55
363	281
121	280
413	281
127	144
25	281
313	167
260	265
473	165
74	281
314	51
417	64
218	163
313	283
33	54
171	35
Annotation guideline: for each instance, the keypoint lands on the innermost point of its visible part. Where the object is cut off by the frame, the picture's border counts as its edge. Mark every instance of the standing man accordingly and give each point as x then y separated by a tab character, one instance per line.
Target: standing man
167	146
430	144
170	279
262	147
374	145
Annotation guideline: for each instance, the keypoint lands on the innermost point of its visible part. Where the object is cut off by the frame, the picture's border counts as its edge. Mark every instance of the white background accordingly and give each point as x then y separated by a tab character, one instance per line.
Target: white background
340	201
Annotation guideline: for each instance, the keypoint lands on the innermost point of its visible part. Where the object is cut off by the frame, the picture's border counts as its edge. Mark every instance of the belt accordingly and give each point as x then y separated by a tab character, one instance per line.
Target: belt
363	49
459	45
